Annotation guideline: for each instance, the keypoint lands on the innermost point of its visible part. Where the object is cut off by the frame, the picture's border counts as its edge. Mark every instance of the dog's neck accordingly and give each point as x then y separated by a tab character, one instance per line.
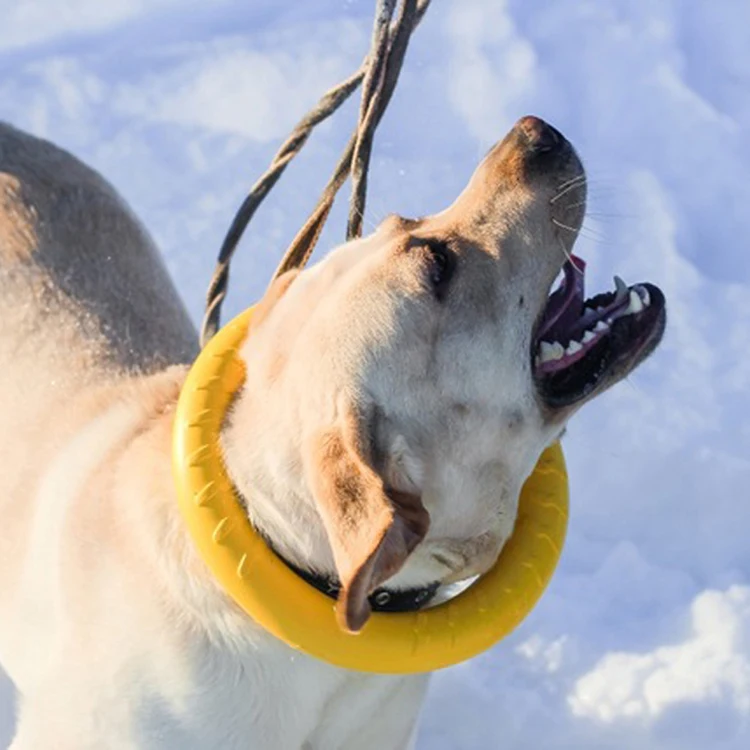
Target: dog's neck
263	457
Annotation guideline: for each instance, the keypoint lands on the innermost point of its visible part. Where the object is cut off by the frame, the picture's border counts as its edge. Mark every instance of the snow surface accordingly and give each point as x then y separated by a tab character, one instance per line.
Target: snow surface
643	639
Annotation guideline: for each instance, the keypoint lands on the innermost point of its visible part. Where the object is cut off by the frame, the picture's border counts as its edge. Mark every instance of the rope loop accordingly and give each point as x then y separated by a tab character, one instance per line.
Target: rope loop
377	75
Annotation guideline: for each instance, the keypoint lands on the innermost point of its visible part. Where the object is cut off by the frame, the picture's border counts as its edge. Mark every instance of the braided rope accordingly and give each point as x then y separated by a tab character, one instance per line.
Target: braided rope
378	75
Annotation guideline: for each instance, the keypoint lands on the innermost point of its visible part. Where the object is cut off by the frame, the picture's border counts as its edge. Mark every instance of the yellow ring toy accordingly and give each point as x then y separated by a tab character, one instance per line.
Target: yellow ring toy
300	615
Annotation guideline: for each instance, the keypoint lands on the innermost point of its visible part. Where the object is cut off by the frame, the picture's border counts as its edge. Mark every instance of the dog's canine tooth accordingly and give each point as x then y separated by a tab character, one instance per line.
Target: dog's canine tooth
621	287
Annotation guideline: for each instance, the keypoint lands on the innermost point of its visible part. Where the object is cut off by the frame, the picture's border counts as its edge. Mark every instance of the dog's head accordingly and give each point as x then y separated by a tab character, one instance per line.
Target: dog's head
402	390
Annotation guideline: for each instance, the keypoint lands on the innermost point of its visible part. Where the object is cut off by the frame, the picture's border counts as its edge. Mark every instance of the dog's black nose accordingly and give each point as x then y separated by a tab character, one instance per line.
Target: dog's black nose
538	135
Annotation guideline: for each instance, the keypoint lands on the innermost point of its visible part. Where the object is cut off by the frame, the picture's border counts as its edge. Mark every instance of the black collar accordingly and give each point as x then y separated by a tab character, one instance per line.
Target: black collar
381	600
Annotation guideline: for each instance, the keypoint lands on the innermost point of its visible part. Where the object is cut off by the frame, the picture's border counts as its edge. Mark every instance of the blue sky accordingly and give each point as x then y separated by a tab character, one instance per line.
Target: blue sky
643	639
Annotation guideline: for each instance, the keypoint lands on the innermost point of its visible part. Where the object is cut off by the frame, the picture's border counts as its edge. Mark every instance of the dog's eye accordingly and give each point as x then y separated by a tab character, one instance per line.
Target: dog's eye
441	265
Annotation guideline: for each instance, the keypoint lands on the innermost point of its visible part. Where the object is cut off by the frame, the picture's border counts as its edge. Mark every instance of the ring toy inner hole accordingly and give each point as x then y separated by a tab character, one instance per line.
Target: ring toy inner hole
301	616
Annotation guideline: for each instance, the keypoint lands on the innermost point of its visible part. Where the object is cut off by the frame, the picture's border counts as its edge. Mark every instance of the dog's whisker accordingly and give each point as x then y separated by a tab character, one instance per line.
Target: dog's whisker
564	192
577	204
605	215
635	387
594	187
568	256
568	188
588	231
369	224
584	229
594	214
578	178
377	215
565	226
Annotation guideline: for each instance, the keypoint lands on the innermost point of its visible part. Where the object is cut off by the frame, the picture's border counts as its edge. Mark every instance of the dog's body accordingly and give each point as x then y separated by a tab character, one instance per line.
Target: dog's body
111	627
113	632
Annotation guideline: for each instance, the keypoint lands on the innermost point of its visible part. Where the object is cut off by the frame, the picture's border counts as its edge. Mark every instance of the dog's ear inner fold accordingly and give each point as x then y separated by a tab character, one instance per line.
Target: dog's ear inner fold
372	530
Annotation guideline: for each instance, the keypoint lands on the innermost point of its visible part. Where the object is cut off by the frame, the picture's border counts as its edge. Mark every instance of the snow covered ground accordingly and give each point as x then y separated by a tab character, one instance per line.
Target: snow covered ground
643	640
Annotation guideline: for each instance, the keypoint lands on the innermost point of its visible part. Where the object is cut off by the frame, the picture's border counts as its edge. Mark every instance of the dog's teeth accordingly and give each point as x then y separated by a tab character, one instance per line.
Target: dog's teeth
588	336
550	352
601	326
635	305
574	347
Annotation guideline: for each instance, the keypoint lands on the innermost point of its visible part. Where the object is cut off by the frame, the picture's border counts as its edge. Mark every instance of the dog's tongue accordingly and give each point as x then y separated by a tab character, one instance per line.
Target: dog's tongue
565	305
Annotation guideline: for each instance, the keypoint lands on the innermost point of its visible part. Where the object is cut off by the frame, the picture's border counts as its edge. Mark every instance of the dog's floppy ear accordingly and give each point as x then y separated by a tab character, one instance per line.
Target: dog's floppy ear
372	530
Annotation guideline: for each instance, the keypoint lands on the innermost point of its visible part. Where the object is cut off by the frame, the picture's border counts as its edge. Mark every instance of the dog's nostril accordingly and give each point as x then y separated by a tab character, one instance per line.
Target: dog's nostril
539	135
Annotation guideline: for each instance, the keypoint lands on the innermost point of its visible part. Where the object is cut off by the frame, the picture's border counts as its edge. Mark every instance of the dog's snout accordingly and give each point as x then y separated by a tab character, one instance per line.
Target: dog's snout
539	137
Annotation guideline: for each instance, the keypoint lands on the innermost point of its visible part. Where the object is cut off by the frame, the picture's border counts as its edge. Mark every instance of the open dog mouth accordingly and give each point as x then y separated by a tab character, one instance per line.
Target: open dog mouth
582	344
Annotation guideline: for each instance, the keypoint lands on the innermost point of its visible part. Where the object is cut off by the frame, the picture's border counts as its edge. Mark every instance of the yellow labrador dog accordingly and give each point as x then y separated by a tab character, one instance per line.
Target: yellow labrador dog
399	394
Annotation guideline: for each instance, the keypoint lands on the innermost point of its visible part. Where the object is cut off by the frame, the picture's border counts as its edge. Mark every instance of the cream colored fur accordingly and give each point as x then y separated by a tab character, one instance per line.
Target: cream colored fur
110	626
